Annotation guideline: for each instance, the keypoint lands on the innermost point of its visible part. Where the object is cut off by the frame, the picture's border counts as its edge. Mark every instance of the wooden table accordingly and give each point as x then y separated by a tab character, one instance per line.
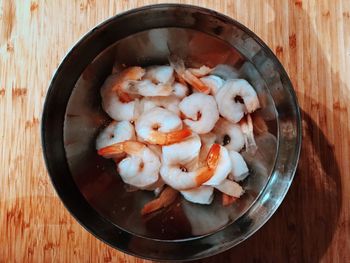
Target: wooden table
311	38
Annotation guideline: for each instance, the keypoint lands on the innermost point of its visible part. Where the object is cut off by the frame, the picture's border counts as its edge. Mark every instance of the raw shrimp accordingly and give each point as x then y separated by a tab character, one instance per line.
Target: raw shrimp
186	75
182	152
170	103
177	176
140	168
160	126
200	72
231	91
247	129
213	82
180	90
229	135
199	195
115	132
230	188
239	169
201	112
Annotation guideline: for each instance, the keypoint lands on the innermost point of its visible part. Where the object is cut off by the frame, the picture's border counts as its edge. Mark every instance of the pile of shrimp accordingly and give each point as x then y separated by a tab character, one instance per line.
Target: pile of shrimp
178	130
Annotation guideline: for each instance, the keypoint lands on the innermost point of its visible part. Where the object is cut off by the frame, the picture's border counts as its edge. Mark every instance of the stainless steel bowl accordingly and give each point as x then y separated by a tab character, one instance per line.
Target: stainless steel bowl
88	184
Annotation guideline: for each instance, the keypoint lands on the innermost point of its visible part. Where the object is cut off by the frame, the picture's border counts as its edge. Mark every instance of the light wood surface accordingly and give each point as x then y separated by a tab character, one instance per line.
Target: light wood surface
312	40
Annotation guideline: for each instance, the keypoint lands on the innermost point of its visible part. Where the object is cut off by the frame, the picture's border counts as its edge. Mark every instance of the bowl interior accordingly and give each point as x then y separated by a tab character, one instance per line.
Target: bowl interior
97	178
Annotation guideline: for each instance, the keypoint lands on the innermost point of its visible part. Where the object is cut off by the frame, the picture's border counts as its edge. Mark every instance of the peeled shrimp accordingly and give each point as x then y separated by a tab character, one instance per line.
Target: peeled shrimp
157	82
239	169
229	135
179	177
170	103
213	82
160	74
160	126
120	81
186	75
180	90
182	152
140	168
114	107
166	198
231	90
201	112
199	195
115	132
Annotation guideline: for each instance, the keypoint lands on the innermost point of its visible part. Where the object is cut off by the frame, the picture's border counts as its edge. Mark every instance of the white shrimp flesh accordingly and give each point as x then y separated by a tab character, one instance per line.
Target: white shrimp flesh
201	112
229	96
229	134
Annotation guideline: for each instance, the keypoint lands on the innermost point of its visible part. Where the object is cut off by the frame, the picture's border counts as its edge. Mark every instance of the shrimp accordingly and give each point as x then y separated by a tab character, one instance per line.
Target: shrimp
229	135
230	188
201	112
232	90
247	129
121	80
160	126
179	177
115	132
180	90
170	103
160	74
200	195
186	75
182	152
140	168
200	72
239	169
213	82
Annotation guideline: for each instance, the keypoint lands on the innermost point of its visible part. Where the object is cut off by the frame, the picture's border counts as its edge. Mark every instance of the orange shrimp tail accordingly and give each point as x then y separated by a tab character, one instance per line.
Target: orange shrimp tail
213	156
166	198
177	136
112	150
204	175
228	200
168	138
195	82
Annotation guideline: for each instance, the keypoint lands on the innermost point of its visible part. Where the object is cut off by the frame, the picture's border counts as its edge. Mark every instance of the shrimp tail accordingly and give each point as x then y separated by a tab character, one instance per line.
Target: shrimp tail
169	138
114	150
177	136
186	75
111	151
247	129
212	160
166	198
228	200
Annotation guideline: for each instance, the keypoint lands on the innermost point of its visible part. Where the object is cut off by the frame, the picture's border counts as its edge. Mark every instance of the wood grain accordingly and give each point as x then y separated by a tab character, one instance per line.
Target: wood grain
312	40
